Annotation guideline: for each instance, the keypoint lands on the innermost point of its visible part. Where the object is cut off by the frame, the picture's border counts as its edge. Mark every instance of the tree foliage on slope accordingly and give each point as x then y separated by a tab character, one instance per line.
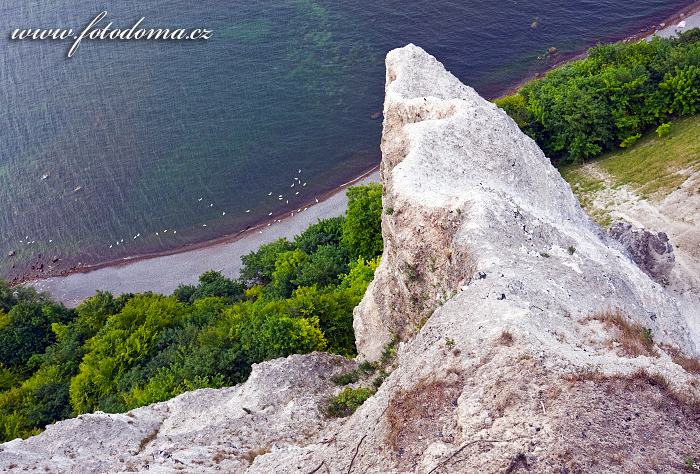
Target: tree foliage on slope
589	106
114	354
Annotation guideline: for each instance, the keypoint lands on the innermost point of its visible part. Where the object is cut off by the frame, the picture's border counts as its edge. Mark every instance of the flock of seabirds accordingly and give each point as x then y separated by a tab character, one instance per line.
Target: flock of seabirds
297	182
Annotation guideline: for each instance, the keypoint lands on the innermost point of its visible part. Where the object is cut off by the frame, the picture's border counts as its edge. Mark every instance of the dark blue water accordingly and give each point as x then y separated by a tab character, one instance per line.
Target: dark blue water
146	129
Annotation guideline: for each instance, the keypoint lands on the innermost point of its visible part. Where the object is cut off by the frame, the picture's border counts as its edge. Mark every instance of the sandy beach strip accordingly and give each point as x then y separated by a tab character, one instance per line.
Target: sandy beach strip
689	20
163	274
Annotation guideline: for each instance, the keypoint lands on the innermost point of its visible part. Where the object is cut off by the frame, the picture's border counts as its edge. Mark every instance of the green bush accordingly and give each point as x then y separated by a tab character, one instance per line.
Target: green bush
347	378
663	130
346	402
682	87
630	141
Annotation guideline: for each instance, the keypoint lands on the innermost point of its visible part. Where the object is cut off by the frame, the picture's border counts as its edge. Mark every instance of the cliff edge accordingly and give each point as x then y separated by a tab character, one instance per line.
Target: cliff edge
530	341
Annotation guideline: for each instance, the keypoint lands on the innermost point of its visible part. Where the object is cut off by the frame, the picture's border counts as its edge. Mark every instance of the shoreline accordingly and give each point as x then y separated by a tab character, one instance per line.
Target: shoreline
668	29
163	273
198	245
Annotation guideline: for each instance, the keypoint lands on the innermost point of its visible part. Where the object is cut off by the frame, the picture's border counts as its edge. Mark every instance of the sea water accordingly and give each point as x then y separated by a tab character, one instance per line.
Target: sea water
132	147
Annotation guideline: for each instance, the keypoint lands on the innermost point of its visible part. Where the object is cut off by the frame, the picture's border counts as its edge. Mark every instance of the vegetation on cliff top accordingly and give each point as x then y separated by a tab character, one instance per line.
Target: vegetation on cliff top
117	353
653	168
607	100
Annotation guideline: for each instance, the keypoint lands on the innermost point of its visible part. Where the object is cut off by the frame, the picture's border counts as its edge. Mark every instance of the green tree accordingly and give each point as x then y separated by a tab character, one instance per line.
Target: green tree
683	90
27	330
258	266
211	284
362	228
127	339
267	333
284	278
323	267
325	232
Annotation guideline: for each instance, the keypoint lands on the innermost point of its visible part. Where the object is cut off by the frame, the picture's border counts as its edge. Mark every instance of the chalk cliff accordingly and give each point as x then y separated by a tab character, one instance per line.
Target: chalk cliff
530	340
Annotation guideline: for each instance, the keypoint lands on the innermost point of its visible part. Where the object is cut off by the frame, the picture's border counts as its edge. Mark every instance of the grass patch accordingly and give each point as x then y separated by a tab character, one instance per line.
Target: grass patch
251	454
584	186
637	379
651	167
347	378
350	399
379	379
689	364
365	368
633	339
692	464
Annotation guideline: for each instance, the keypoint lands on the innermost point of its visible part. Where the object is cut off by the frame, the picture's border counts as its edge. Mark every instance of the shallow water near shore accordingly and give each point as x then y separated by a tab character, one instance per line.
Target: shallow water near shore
169	144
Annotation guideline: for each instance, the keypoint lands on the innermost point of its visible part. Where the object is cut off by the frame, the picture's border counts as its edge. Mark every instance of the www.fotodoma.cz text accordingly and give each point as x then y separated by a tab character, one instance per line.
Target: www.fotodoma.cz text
98	29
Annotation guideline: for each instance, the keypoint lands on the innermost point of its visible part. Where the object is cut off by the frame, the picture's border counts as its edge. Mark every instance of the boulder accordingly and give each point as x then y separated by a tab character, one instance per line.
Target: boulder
651	251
